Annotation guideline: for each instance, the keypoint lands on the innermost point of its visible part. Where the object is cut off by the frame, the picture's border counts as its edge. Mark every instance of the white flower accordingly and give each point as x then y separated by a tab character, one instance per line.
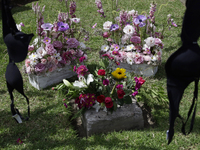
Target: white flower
122	47
117	19
129	29
153	58
150	41
104	48
83	82
96	106
145	47
107	25
130	47
56	54
33	62
82	45
59	58
33	56
124	38
129	60
41	52
75	20
35	41
132	12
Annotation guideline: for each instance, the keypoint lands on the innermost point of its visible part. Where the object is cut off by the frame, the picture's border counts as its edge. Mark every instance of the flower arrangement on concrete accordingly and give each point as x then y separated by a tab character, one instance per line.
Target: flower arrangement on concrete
131	37
104	89
57	44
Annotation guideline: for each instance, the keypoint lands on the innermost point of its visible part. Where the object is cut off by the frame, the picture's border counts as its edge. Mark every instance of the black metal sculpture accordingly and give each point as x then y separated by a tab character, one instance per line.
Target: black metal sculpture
17	45
183	66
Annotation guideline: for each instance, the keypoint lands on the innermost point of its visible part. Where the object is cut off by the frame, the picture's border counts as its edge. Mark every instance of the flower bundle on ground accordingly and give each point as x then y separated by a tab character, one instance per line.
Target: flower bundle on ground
105	88
132	37
57	44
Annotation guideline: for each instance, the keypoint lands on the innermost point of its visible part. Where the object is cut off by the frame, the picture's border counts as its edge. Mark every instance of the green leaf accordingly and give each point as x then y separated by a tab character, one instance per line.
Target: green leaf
127	99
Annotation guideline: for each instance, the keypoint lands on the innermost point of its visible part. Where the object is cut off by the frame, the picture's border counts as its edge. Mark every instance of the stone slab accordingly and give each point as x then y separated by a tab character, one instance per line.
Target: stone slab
128	116
42	81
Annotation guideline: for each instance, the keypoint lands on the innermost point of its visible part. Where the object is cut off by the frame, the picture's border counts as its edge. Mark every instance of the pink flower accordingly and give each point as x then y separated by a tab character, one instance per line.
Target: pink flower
106	82
135	39
30	47
47	40
19	141
57	44
139	60
27	62
135	93
43	61
72	43
147	58
74	68
39	68
81	70
50	49
82	59
119	86
106	34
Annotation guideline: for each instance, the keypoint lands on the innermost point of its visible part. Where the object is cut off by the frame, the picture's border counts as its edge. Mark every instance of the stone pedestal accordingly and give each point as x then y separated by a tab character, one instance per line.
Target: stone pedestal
128	116
42	81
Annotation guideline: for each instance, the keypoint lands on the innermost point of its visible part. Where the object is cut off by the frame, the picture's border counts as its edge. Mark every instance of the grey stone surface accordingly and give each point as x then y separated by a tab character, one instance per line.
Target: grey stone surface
126	117
42	81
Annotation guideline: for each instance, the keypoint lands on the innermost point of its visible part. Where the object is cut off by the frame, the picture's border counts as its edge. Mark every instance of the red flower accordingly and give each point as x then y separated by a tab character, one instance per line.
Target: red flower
100	98
19	141
101	72
108	102
141	80
120	93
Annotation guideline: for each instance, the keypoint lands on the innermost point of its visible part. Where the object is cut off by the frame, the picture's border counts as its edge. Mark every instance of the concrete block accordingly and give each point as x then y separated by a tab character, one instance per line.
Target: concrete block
128	116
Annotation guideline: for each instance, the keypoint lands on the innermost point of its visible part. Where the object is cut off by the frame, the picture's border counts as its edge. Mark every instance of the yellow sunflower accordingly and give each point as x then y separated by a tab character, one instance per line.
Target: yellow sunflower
119	73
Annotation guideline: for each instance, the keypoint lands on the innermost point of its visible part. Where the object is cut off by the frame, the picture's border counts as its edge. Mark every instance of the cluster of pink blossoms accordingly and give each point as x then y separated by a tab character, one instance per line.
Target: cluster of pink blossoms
85	100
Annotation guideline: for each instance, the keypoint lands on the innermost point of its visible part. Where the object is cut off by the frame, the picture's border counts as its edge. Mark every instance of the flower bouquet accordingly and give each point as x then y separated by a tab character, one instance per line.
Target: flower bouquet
56	48
104	89
131	40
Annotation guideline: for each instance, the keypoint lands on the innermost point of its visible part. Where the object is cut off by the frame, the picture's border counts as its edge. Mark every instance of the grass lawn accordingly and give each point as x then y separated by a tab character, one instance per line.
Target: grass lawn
49	126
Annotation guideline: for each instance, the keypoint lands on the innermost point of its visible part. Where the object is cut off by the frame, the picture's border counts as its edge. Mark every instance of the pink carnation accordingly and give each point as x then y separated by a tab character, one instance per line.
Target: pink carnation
72	43
135	39
50	49
27	62
57	44
81	70
30	47
139	60
39	67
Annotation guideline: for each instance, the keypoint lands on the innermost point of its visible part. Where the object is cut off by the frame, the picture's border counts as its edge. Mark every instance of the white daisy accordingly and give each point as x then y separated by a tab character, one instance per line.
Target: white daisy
129	60
104	48
33	56
130	47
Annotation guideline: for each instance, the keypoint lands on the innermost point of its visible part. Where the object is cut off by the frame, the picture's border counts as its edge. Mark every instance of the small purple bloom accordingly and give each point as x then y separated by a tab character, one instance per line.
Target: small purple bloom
114	27
46	26
138	84
119	86
135	93
140	20
47	40
65	105
106	82
62	26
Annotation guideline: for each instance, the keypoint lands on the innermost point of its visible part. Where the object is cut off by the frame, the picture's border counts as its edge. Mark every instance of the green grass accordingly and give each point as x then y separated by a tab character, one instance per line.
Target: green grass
49	126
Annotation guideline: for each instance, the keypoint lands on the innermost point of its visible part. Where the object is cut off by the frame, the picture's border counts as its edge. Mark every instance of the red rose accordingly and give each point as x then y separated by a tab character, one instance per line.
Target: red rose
101	72
120	93
141	80
108	102
100	98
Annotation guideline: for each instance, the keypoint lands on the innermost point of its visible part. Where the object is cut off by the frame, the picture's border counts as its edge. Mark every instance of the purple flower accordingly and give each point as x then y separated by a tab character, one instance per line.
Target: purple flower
119	86
114	27
46	26
72	9
138	84
81	70
47	40
65	105
39	67
135	93
62	26
72	43
82	59
140	20
106	82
